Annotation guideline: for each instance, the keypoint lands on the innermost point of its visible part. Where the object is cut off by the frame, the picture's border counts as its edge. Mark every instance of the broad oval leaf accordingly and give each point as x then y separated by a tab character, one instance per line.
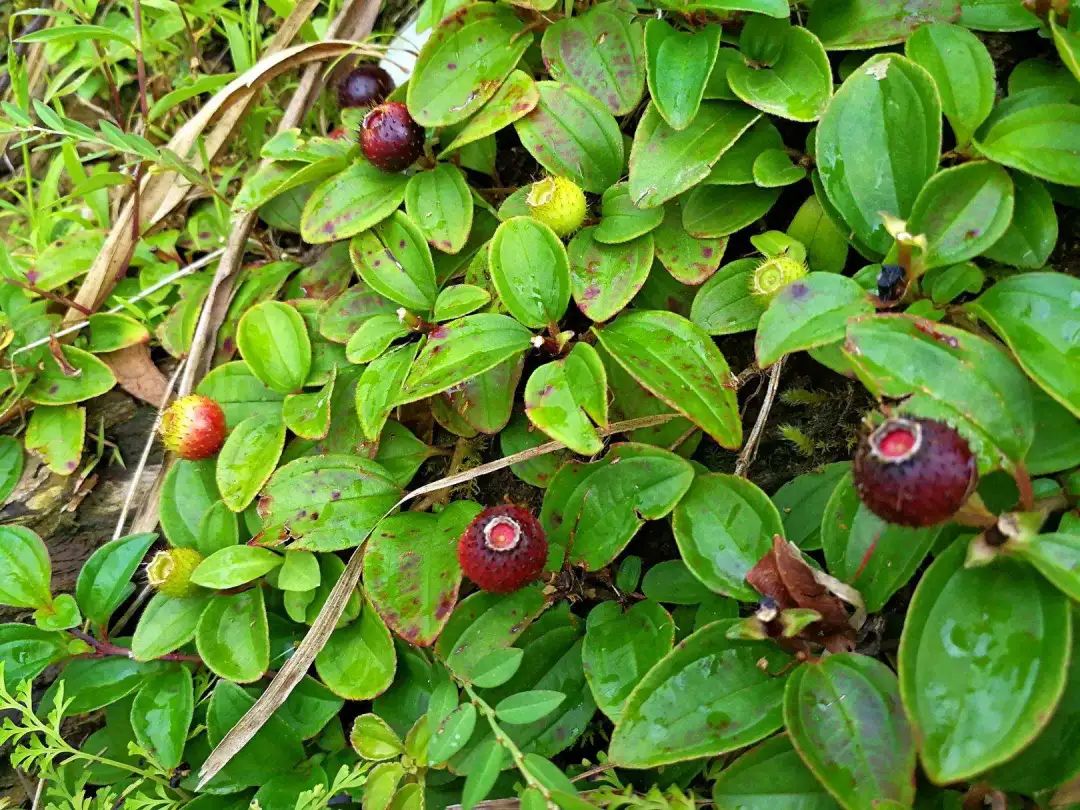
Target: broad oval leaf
688	259
166	624
54	385
605	278
980	677
723	305
530	271
621	220
395	261
676	361
464	62
25	571
379	386
485	623
461	349
857	24
678	65
810	312
1038	138
1057	557
1033	232
878	143
350	202
770	776
441	205
1038	316
516	97
962	211
358	661
996	15
844	717
27	651
247	460
723	526
573	135
235	565
601	52
665	162
561	396
709	695
711	212
161	714
55	433
233	638
797	85
802	502
105	579
274	342
452	734
240	393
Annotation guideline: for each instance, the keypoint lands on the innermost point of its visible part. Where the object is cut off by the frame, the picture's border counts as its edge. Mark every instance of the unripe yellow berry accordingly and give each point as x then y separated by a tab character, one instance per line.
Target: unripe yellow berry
772	275
558	203
170	571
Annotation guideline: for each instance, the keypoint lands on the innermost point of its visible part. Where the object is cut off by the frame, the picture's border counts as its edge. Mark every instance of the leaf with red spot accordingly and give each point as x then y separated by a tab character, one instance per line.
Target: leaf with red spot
605	278
411	570
350	202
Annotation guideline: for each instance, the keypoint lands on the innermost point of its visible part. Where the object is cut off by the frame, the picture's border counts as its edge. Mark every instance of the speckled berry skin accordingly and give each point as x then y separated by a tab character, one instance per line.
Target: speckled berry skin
193	427
503	549
390	138
914	472
364	86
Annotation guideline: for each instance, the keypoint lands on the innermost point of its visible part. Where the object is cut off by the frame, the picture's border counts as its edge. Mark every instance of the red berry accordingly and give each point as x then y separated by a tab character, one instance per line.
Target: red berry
364	86
390	138
914	472
337	134
503	549
193	427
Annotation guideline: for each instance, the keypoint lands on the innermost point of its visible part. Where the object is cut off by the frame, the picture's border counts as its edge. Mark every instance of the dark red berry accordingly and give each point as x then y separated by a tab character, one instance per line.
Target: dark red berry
364	86
503	549
914	472
390	138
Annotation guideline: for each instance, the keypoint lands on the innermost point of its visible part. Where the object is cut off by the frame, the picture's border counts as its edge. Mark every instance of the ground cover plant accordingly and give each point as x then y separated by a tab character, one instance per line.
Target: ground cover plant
648	405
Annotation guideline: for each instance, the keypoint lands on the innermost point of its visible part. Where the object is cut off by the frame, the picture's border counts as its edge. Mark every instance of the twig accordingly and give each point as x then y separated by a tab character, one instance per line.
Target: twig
504	740
460	448
746	457
56	298
103	648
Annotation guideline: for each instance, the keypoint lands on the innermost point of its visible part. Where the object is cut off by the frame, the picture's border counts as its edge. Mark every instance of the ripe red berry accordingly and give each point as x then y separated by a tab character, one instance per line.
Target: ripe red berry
390	138
193	427
914	472
364	86
503	549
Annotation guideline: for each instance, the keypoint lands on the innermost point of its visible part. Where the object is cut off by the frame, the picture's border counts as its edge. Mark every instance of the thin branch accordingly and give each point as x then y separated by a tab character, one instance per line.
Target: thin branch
746	457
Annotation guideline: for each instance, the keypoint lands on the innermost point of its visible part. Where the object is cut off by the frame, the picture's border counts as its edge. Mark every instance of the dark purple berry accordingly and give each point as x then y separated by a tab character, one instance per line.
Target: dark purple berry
364	86
888	282
390	138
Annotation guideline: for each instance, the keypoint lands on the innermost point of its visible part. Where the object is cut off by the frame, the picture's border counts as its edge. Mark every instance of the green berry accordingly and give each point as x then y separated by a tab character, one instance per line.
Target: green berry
558	203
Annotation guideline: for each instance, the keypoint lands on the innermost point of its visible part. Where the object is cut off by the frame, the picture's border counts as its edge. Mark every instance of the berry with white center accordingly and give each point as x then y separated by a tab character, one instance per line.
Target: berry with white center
914	472
169	572
558	203
364	86
390	138
503	549
193	427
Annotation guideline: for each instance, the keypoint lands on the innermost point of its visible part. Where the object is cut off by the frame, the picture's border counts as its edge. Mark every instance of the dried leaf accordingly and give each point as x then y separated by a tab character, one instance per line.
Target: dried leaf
137	374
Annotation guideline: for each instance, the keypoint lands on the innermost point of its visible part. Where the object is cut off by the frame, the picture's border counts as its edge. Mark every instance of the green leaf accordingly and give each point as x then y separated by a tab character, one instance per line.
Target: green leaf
93	683
826	247
440	204
773	169
875	557
665	162
11	466
232	637
1036	315
676	361
161	714
1057	437
373	739
573	135
797	85
25	573
678	65
452	734
327	502
771	776
308	415
601	52
352	309
62	614
952	373
808	313
247	460
464	62
529	268
482	777
878	143
736	166
602	513
166	624
527	707
395	261
1057	557
350	202
26	651
715	211
1033	232
723	526
240	394
963	71
358	661
56	435
299	572
105	579
188	493
996	15
605	278
620	647
411	570
459	300
461	349
1066	40
485	402
56	386
845	719
517	96
485	623
497	667
802	502
379	386
709	695
561	396
111	331
66	259
235	565
374	337
979	677
621	220
1036	134
274	343
857	24
688	259
962	211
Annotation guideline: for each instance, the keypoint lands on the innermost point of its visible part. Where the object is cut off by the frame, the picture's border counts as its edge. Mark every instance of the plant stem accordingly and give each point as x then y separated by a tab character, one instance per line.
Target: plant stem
103	648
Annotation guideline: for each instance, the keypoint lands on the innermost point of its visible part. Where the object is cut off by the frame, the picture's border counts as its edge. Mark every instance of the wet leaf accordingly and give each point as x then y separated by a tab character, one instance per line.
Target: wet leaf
529	268
561	396
516	97
678	66
161	714
440	203
27	651
484	623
